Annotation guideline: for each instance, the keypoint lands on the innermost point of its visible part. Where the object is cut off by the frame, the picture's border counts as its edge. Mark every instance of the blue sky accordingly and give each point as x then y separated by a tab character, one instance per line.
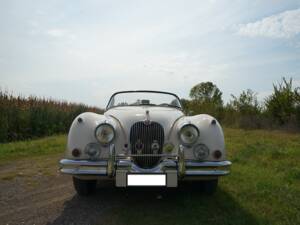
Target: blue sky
83	51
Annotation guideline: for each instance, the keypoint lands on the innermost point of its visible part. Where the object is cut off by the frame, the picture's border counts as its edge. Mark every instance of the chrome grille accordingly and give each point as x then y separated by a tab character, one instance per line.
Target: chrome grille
146	143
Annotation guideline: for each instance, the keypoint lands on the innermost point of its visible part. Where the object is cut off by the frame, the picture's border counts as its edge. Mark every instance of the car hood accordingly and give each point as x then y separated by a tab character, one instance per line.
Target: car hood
127	116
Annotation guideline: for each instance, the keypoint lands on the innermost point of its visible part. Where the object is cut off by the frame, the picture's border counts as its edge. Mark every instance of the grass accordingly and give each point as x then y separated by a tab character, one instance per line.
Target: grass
265	177
263	188
29	159
38	147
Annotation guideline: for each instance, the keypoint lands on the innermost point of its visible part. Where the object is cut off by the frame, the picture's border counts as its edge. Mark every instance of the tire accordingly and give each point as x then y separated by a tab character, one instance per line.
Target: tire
210	186
84	187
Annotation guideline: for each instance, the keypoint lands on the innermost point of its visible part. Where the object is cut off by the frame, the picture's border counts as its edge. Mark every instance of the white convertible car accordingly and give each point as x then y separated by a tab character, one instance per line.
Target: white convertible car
144	139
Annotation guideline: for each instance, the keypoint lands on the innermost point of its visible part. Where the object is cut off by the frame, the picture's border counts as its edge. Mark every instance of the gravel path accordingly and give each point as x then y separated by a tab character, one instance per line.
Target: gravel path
33	194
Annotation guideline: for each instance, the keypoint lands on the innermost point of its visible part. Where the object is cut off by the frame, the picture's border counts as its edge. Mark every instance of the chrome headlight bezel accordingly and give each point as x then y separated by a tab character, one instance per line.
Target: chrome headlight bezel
102	126
195	132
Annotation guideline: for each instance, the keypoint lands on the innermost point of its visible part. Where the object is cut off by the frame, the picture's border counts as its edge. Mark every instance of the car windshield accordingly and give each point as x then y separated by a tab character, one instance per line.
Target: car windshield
138	98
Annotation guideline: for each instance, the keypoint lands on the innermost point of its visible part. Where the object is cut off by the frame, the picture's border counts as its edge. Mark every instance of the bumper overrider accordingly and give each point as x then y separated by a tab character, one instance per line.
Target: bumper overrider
119	168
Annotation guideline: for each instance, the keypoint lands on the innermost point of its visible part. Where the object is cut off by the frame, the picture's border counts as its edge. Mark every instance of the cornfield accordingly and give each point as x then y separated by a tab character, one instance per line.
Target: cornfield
25	118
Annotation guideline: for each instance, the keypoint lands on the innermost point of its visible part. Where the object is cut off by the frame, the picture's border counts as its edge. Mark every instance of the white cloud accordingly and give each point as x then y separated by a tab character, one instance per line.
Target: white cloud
282	25
56	32
59	33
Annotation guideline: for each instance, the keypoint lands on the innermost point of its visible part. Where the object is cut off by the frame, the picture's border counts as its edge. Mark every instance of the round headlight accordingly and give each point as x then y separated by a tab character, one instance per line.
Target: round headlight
188	134
105	133
201	151
93	150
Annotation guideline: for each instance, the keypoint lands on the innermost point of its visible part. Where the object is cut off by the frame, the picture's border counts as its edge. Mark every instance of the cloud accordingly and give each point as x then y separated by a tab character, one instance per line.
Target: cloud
56	32
59	33
282	25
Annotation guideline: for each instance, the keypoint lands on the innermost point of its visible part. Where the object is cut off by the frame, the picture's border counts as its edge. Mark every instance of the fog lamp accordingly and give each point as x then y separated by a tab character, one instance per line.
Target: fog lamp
201	151
93	150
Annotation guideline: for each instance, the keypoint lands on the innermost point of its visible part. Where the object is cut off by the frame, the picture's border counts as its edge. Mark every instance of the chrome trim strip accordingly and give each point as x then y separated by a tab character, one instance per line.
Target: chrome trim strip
181	161
111	161
70	162
77	171
124	163
207	164
206	172
157	169
148	155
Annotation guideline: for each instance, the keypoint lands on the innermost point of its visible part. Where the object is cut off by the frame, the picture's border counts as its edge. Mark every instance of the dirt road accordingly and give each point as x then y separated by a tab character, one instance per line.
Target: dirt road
33	192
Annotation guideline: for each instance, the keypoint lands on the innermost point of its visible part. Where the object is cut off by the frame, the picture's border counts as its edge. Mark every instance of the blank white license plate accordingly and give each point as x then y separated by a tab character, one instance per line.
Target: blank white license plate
146	179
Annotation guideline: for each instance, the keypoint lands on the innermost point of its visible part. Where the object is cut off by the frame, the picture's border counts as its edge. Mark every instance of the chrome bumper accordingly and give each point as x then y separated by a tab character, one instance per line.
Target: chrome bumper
184	168
103	167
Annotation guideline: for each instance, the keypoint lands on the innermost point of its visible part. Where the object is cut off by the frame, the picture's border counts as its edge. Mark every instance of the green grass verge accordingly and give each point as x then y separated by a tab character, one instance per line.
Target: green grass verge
38	147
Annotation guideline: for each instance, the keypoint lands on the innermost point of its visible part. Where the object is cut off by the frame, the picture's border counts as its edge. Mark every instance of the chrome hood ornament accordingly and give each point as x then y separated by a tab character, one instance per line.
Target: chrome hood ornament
147	120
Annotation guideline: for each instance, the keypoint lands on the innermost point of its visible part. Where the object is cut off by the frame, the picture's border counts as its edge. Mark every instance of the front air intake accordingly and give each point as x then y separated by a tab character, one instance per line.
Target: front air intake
146	143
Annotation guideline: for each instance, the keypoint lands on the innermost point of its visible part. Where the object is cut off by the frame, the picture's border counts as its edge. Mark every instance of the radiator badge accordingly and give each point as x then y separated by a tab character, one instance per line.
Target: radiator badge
147	121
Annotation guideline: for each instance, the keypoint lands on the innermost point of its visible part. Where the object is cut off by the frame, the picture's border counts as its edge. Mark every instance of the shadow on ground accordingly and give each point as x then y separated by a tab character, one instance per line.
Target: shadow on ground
184	205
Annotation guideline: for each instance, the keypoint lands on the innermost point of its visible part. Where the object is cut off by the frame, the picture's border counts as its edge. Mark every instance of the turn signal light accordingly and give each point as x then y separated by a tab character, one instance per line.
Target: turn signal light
217	154
76	152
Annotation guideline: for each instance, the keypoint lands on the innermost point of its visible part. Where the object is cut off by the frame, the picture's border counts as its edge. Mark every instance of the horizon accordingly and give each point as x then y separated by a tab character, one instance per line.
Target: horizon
260	101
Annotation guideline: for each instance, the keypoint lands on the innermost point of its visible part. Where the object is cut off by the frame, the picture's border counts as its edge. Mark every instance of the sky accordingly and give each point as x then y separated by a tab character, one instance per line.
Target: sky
83	51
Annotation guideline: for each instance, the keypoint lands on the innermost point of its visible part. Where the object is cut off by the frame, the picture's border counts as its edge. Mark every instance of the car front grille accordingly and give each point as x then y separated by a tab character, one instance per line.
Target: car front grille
146	143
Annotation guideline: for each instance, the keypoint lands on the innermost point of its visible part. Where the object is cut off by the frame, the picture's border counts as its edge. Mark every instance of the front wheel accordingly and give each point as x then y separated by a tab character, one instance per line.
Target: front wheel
210	186
84	187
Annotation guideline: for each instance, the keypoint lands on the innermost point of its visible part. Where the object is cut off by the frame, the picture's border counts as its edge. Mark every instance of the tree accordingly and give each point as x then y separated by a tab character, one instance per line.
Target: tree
207	92
283	105
206	98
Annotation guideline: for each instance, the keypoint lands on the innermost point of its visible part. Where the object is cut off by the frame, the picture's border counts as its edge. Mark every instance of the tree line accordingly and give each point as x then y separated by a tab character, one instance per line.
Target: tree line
25	118
280	110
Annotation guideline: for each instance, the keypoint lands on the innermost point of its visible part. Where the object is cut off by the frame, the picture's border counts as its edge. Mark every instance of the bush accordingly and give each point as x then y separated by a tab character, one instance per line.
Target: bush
283	105
246	109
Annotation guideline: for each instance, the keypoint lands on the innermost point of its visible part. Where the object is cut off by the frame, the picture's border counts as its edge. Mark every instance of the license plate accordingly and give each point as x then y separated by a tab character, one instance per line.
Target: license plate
146	179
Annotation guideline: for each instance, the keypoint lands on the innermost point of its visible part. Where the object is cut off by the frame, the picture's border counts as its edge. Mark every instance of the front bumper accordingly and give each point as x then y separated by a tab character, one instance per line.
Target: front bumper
100	168
177	168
